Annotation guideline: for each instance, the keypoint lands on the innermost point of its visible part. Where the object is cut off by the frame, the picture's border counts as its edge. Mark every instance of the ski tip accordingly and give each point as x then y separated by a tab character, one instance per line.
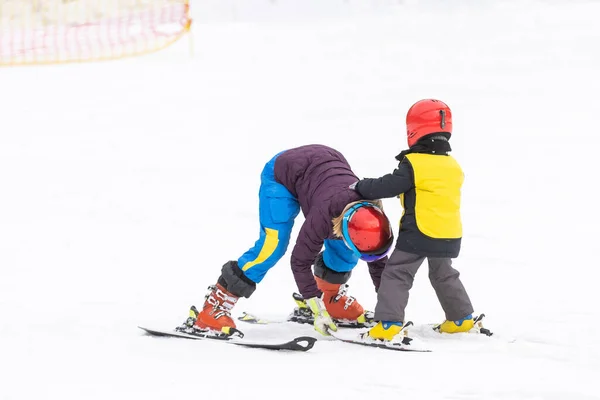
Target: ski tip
251	319
302	343
246	317
297	297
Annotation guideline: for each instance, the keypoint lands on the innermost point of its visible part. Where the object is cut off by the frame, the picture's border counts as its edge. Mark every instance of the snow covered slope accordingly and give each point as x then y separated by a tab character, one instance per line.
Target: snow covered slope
118	204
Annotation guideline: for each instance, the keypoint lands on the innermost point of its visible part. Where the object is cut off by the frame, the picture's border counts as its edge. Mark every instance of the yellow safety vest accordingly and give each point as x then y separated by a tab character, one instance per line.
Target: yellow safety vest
438	180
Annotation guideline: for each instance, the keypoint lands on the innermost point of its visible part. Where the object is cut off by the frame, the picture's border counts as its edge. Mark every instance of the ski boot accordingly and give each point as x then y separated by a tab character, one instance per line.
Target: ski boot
215	317
467	324
345	311
388	332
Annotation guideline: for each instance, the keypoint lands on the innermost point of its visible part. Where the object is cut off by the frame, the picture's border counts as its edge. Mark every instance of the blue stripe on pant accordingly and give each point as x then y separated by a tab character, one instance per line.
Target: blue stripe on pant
278	209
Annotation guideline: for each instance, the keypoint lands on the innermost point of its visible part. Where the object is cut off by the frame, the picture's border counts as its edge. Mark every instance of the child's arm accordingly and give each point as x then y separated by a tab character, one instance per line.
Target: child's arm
390	185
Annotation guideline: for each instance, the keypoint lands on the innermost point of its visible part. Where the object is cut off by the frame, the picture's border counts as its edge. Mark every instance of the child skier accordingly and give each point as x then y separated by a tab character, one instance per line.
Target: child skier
428	182
316	180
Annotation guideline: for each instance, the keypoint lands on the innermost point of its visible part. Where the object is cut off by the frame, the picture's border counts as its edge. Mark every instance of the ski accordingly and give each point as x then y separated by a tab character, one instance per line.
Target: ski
301	343
298	316
404	345
303	315
396	346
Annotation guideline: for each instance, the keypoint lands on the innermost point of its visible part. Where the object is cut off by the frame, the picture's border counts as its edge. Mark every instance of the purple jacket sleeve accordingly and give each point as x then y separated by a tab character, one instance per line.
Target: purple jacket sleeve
308	245
375	270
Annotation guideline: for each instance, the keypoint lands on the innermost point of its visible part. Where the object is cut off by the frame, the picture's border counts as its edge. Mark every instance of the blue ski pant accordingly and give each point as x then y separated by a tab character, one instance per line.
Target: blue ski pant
278	209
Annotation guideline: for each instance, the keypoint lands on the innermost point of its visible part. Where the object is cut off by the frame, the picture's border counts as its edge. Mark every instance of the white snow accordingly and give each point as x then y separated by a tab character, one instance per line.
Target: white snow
124	186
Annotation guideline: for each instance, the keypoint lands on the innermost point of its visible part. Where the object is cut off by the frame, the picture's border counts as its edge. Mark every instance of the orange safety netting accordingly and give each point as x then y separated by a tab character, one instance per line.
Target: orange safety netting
59	31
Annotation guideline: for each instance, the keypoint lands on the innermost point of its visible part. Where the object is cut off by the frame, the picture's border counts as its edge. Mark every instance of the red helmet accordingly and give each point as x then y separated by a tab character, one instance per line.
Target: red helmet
367	231
426	117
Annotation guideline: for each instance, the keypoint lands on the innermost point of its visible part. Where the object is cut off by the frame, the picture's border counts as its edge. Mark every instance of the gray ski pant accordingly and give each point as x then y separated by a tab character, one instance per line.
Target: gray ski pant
397	280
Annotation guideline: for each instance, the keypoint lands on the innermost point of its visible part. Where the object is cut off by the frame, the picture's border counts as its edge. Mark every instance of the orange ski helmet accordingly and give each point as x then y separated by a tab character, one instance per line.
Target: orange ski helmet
426	117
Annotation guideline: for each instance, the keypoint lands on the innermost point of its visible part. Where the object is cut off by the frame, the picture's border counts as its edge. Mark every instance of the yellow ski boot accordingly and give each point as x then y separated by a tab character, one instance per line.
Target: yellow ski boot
460	326
385	330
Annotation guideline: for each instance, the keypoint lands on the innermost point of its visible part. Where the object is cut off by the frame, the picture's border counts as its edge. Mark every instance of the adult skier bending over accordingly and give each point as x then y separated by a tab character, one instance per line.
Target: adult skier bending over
314	179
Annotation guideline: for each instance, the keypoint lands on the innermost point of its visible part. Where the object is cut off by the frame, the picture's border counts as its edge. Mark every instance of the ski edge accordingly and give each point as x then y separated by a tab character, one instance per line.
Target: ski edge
398	347
300	343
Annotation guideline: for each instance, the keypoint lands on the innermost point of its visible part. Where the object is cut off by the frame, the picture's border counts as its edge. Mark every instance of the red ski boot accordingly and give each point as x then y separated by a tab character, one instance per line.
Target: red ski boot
342	308
216	312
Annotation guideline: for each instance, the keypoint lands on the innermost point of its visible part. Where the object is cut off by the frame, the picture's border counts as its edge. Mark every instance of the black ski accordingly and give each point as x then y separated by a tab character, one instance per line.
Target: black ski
301	343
